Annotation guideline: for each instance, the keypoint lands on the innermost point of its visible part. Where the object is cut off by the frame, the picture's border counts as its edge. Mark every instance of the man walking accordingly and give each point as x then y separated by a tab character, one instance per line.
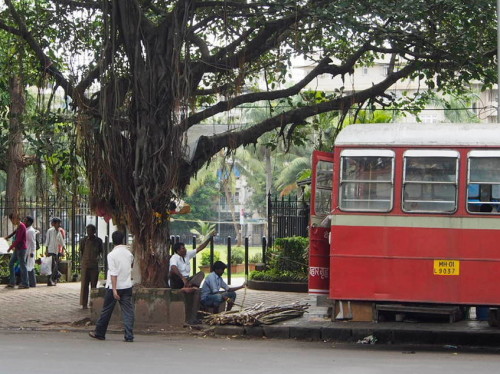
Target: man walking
119	288
90	251
54	241
19	254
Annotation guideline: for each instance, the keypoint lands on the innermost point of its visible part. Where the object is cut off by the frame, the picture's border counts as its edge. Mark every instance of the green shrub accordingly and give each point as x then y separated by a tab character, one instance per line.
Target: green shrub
274	275
4	266
205	257
237	256
255	259
289	254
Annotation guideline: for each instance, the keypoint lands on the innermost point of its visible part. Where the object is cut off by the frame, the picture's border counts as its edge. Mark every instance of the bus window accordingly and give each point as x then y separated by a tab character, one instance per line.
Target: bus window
430	181
366	181
324	180
483	191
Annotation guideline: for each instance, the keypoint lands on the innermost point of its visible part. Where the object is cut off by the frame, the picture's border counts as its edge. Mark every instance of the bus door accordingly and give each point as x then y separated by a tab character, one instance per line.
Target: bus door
319	229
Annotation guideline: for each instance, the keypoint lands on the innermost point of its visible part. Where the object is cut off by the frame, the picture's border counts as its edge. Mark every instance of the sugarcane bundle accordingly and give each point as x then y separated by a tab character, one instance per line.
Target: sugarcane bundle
258	315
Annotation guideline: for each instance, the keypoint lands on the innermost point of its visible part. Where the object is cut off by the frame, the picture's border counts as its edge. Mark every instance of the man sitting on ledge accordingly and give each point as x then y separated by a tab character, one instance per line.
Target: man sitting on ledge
180	268
211	296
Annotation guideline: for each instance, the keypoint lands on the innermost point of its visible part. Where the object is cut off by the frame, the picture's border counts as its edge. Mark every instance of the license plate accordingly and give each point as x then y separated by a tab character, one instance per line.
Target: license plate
446	267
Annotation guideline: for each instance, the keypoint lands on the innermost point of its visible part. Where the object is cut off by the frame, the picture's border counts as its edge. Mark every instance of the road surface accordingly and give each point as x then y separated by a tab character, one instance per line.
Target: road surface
74	352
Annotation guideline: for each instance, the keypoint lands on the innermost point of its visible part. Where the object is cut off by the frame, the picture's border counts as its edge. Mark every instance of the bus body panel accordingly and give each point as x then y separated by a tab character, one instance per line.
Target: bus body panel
424	257
398	264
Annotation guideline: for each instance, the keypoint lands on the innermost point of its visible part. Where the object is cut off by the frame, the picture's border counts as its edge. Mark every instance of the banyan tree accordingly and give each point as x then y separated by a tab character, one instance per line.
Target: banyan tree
155	68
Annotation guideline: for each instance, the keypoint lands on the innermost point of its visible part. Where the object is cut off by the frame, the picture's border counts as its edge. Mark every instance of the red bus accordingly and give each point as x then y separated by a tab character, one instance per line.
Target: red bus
414	214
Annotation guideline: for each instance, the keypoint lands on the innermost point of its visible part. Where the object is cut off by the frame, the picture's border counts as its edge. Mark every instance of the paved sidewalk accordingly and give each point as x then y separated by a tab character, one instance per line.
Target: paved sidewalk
41	306
52	307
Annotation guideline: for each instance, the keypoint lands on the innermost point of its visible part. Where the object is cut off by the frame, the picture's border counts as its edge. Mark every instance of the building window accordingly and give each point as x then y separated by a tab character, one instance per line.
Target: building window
429	118
494	95
430	180
366	181
483	182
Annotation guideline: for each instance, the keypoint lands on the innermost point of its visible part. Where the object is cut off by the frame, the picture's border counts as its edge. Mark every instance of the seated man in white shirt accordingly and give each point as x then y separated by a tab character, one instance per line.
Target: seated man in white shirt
180	267
211	295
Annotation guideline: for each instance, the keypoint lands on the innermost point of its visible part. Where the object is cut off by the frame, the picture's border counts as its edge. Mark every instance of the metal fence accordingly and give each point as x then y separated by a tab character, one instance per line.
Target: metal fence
75	216
286	217
229	246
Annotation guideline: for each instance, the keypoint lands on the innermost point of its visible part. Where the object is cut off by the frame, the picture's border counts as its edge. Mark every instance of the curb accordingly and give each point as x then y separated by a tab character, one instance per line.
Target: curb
382	335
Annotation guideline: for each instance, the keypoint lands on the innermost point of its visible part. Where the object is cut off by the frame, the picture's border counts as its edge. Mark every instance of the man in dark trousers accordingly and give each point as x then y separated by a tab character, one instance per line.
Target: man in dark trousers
211	295
90	252
119	288
19	254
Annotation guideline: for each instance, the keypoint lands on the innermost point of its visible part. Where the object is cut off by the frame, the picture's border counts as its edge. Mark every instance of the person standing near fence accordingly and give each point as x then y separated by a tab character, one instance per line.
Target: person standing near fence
90	252
31	250
54	241
19	254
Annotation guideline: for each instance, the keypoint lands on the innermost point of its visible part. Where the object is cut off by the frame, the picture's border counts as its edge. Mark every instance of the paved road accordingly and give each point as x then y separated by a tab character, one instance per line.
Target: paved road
75	352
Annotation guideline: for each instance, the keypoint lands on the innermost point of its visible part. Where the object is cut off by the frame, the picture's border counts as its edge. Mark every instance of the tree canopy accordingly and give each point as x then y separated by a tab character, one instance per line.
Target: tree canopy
149	70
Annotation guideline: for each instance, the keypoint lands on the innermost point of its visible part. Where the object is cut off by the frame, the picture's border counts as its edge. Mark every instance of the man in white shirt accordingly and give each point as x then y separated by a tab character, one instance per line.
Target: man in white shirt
31	250
119	288
179	266
54	241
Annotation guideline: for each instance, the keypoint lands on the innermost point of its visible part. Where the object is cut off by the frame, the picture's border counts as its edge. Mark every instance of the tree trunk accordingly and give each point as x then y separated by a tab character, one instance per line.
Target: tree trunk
15	144
151	254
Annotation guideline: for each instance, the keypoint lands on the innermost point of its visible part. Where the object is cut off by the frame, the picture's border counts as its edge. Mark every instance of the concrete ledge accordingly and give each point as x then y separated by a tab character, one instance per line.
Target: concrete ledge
158	308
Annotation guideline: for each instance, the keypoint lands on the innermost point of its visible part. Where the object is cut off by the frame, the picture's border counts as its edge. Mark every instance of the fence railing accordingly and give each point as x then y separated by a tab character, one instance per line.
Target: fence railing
286	217
227	260
74	215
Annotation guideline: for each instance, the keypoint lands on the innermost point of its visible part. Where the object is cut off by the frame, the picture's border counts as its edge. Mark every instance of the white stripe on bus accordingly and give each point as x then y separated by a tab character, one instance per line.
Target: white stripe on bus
467	223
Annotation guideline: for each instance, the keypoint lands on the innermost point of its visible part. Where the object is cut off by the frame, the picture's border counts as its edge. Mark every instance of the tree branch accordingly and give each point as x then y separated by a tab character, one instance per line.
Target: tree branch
47	64
223	106
85	4
323	67
209	146
94	73
134	25
10	29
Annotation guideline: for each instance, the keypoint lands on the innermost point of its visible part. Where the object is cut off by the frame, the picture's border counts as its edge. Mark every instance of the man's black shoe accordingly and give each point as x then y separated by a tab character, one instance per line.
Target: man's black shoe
93	335
128	340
